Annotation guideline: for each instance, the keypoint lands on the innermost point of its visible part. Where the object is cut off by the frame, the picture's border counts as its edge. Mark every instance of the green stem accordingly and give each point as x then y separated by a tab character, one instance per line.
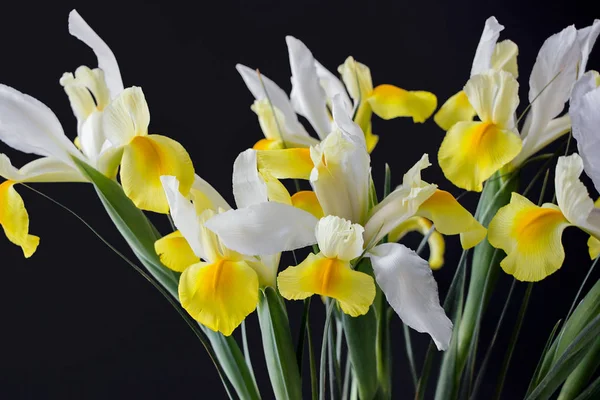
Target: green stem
302	333
322	369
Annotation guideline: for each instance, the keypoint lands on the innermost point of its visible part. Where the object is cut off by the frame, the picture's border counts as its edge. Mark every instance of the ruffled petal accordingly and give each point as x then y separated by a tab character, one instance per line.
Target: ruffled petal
175	252
457	108
15	219
530	236
329	277
339	238
388	101
219	295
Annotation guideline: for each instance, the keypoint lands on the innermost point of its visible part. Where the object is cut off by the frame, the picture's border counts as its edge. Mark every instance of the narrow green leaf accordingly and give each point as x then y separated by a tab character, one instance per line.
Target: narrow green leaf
547	347
323	358
278	346
579	378
302	333
592	392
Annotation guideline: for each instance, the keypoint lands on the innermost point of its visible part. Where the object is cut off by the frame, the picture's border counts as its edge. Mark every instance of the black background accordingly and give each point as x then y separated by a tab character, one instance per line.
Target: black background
77	322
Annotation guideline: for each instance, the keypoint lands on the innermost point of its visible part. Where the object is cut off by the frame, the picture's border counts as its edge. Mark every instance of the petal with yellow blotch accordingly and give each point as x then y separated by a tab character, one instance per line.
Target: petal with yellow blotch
328	277
285	164
388	101
450	218
307	200
145	160
219	295
15	219
531	237
175	252
457	108
472	151
268	144
436	243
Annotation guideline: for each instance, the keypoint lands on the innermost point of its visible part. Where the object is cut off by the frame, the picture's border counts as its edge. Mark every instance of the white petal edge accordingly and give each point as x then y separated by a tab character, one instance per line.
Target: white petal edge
45	169
211	193
485	49
248	186
587	38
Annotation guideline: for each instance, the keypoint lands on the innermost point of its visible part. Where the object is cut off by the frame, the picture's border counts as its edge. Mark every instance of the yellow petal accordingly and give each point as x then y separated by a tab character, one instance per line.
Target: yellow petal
175	252
307	200
219	295
505	57
285	164
530	236
328	277
268	144
357	79
145	160
422	225
15	220
276	191
371	139
472	151
594	247
457	108
388	101
450	218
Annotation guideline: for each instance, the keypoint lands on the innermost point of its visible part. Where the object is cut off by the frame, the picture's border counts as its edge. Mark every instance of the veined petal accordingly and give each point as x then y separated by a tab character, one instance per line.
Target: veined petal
339	238
472	151
27	125
482	61
264	229
332	85
495	97
308	97
45	169
530	236
248	186
307	200
285	164
278	97
409	287
586	38
388	101
505	57
205	196
422	225
357	78
126	117
175	252
329	277
450	218
145	160
106	59
219	295
457	108
15	220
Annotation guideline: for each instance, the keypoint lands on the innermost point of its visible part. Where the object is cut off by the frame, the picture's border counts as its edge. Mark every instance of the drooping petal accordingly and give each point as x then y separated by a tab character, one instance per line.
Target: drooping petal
286	163
388	101
145	160
278	97
472	151
126	117
307	200
15	219
422	225
264	229
45	169
457	108
339	238
530	236
482	61
248	186
505	57
27	125
450	218
409	287
586	39
357	78
219	295
175	252
205	196
585	118
184	214
106	59
329	277
308	97
495	97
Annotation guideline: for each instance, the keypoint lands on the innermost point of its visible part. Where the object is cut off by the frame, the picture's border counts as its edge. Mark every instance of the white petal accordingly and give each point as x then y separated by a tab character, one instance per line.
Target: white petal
343	120
91	136
265	228
278	97
586	38
332	85
44	169
532	144
217	201
126	116
183	214
106	59
248	186
485	49
585	117
410	288
551	80
339	238
27	125
308	97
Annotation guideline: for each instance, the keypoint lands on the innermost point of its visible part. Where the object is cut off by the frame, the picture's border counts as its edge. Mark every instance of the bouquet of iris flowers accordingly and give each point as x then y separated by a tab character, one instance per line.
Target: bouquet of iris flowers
306	188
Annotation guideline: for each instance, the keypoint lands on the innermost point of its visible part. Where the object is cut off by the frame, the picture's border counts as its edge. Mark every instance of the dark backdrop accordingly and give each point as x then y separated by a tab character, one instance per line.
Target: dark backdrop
77	322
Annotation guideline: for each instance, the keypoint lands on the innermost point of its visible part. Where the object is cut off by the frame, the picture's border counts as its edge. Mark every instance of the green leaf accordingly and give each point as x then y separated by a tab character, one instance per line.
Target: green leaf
140	236
591	392
576	382
278	346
